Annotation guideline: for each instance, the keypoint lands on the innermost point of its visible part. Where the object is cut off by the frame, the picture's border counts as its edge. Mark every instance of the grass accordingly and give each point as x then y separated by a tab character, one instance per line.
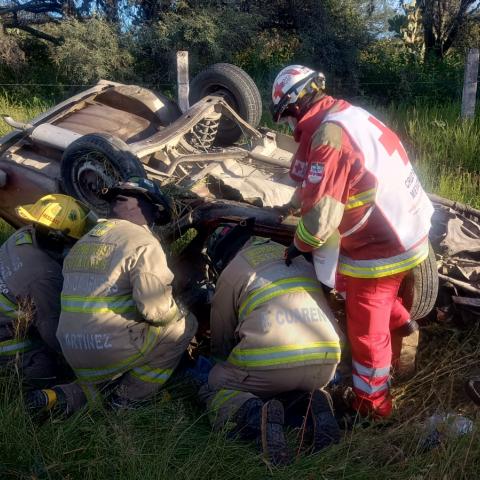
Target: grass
171	438
21	111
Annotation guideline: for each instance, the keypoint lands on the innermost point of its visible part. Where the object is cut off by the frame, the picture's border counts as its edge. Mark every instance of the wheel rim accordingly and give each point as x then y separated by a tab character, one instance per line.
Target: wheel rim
92	174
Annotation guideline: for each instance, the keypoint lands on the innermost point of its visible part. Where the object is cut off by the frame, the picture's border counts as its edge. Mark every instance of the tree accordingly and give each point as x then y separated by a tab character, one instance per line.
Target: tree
443	22
21	16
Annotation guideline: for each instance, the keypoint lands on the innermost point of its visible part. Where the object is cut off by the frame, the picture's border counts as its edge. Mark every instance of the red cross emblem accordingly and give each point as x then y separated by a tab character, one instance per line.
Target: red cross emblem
389	140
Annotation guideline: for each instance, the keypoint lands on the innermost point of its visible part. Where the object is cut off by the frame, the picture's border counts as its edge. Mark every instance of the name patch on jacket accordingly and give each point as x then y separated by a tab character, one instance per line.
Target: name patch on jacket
316	172
89	257
263	253
87	341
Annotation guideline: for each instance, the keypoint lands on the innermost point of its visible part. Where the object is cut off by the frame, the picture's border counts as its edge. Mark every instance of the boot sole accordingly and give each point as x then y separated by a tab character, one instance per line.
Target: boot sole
274	443
325	428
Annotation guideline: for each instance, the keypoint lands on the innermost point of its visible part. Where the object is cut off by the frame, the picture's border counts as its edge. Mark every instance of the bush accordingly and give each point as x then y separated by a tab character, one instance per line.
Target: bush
388	72
91	50
209	35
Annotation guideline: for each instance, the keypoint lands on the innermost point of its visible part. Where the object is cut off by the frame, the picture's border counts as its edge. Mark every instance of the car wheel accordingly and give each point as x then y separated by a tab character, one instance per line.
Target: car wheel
96	161
238	90
419	288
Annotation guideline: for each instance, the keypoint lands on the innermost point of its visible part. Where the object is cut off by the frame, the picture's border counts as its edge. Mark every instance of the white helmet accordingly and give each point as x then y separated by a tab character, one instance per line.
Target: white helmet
291	84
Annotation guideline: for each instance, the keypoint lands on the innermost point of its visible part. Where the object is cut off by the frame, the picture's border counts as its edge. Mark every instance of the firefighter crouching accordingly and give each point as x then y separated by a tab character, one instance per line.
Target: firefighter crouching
120	328
354	177
31	283
274	333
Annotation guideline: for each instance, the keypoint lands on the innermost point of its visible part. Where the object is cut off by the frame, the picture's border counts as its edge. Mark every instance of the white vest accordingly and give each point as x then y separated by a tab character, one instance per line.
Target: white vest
399	195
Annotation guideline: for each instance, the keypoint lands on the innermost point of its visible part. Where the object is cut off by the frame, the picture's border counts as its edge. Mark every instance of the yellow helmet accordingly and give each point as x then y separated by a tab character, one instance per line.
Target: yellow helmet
58	212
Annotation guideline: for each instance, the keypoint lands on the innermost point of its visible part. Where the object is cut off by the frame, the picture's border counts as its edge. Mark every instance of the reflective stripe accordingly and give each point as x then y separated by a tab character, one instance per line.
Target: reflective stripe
371	372
223	396
285	354
276	289
385	266
367	388
114	304
152	375
12	347
361	199
305	236
108	372
360	223
7	307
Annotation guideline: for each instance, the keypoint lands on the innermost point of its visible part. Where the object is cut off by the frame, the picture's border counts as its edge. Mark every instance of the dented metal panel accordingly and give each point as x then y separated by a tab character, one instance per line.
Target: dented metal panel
96	117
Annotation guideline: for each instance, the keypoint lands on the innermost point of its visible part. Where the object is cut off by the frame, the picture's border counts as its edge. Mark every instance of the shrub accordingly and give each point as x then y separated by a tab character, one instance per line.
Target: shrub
91	50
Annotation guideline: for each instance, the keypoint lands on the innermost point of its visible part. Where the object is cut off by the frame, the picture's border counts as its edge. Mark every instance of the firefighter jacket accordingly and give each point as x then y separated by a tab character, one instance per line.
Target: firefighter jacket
355	176
266	315
117	300
30	287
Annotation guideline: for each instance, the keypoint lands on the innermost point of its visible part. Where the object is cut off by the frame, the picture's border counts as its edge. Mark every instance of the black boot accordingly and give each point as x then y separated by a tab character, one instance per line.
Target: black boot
263	422
407	329
274	443
325	428
45	400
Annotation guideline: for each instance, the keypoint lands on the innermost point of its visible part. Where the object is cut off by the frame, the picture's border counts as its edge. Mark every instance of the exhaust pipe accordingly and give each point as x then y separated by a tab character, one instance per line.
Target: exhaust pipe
45	134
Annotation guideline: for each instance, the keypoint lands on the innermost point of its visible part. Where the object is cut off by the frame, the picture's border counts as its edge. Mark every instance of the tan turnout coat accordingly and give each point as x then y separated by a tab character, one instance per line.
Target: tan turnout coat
116	301
30	281
266	315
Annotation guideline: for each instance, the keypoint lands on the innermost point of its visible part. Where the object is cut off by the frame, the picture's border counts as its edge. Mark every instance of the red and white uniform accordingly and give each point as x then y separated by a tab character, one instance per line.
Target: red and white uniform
355	176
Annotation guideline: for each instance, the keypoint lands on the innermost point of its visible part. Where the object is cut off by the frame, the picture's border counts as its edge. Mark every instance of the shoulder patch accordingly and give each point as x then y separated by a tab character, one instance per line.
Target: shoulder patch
316	172
327	134
89	258
101	229
23	238
265	252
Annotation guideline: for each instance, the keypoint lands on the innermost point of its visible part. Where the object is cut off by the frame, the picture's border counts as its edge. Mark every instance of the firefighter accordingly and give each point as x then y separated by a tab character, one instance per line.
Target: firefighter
272	332
355	182
120	329
31	283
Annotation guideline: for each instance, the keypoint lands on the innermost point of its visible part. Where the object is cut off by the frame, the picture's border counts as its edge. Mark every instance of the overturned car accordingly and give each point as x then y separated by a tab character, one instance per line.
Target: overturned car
213	159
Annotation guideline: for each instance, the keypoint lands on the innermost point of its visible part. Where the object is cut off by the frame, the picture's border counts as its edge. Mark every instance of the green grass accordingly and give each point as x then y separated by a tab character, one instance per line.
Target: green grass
171	438
20	111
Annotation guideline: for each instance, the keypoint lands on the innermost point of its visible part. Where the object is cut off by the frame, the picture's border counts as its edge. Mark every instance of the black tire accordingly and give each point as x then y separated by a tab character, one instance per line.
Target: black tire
239	91
95	161
419	288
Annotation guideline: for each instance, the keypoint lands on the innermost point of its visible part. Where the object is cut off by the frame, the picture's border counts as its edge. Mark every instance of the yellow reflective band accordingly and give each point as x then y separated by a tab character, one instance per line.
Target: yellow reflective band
222	397
152	375
51	398
276	289
114	304
286	354
383	269
361	199
7	307
305	236
14	346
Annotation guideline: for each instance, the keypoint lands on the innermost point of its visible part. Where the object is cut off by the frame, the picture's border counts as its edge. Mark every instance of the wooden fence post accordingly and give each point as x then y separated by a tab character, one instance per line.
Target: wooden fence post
182	80
470	84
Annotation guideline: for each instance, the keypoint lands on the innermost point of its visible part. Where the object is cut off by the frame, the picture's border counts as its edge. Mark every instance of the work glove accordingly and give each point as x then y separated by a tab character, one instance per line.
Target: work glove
290	253
285	210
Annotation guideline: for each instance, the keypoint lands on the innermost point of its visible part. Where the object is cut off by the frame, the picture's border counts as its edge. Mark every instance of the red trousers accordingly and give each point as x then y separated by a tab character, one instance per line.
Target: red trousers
373	311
